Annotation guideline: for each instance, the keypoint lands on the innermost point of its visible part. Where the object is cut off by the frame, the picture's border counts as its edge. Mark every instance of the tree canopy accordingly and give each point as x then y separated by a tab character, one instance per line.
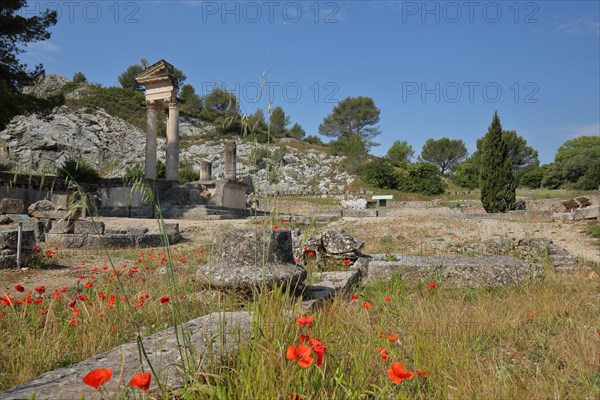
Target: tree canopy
400	153
222	109
353	116
445	153
17	31
497	182
278	122
192	103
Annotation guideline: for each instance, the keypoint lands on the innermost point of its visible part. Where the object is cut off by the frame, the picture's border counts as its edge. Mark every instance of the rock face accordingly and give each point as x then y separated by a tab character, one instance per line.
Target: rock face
358	204
250	259
105	141
47	85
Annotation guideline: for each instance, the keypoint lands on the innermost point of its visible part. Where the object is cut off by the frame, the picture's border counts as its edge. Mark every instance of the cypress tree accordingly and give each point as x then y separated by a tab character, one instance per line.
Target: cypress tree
497	182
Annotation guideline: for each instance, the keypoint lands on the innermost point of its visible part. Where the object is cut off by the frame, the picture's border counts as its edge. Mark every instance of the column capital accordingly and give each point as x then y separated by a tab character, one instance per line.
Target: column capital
172	103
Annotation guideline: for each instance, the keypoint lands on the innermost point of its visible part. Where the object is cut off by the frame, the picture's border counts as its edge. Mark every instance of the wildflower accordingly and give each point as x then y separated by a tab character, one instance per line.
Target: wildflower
73	322
319	349
141	380
98	377
531	314
388	299
89	285
392	338
36	250
355	297
397	373
165	299
346	262
300	353
101	296
305	321
275	227
112	299
383	353
432	285
367	305
141	302
1	316
19	288
304	337
40	289
311	253
296	396
422	373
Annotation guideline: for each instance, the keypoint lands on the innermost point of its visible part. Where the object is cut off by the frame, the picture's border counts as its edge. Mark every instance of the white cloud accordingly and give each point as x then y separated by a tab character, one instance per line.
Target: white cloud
582	26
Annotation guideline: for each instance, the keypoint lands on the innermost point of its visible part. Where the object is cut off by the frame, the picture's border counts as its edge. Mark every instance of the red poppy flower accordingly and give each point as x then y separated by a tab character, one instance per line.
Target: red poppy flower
392	338
36	250
367	305
300	353
98	377
112	299
531	314
275	227
19	288
422	373
73	322
432	285
397	373
40	289
101	296
165	299
141	302
296	396
388	299
304	337
355	297
319	349
383	353
346	262
141	380
89	285
1	316
305	321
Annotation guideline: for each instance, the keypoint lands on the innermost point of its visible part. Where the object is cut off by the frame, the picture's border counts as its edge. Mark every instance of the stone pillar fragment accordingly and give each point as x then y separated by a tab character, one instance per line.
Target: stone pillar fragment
205	170
172	161
230	161
151	129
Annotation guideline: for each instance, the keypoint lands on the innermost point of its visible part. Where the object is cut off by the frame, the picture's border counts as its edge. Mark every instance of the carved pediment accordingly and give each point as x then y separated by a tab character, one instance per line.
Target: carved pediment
160	72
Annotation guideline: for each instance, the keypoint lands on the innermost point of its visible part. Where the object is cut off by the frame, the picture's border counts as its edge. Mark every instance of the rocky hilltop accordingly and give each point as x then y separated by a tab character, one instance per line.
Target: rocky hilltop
111	145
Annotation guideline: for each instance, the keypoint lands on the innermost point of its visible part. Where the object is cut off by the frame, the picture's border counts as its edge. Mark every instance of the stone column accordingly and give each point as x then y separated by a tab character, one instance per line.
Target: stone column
151	129
172	161
230	161
205	170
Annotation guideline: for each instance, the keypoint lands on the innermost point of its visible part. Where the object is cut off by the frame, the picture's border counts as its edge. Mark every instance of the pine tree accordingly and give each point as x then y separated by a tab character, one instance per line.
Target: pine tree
497	182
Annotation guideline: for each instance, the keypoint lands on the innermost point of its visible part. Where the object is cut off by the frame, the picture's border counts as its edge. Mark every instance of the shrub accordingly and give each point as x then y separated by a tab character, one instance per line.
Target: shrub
135	173
79	170
423	178
533	179
381	174
6	166
312	139
187	174
161	170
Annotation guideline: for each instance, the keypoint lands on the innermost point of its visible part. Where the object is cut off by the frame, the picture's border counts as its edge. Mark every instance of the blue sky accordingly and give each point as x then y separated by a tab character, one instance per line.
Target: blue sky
434	68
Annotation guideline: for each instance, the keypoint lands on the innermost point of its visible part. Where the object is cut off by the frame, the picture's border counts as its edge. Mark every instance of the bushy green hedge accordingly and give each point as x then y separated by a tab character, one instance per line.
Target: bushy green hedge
423	178
380	173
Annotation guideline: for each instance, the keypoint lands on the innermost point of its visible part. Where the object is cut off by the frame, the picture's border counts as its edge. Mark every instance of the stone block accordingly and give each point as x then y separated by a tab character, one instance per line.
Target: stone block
8	239
12	206
561	217
67	240
60	201
62	227
530	216
89	227
367	212
587	213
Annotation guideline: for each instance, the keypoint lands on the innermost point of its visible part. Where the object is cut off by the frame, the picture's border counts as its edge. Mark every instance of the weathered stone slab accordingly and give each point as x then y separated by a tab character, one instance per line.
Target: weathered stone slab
530	216
62	227
562	217
8	239
587	213
458	271
209	337
367	212
67	240
60	201
252	259
89	227
12	206
329	283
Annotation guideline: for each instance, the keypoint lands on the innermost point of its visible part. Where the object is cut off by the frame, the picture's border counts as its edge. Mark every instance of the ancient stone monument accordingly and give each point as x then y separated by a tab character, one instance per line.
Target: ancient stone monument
230	161
161	95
